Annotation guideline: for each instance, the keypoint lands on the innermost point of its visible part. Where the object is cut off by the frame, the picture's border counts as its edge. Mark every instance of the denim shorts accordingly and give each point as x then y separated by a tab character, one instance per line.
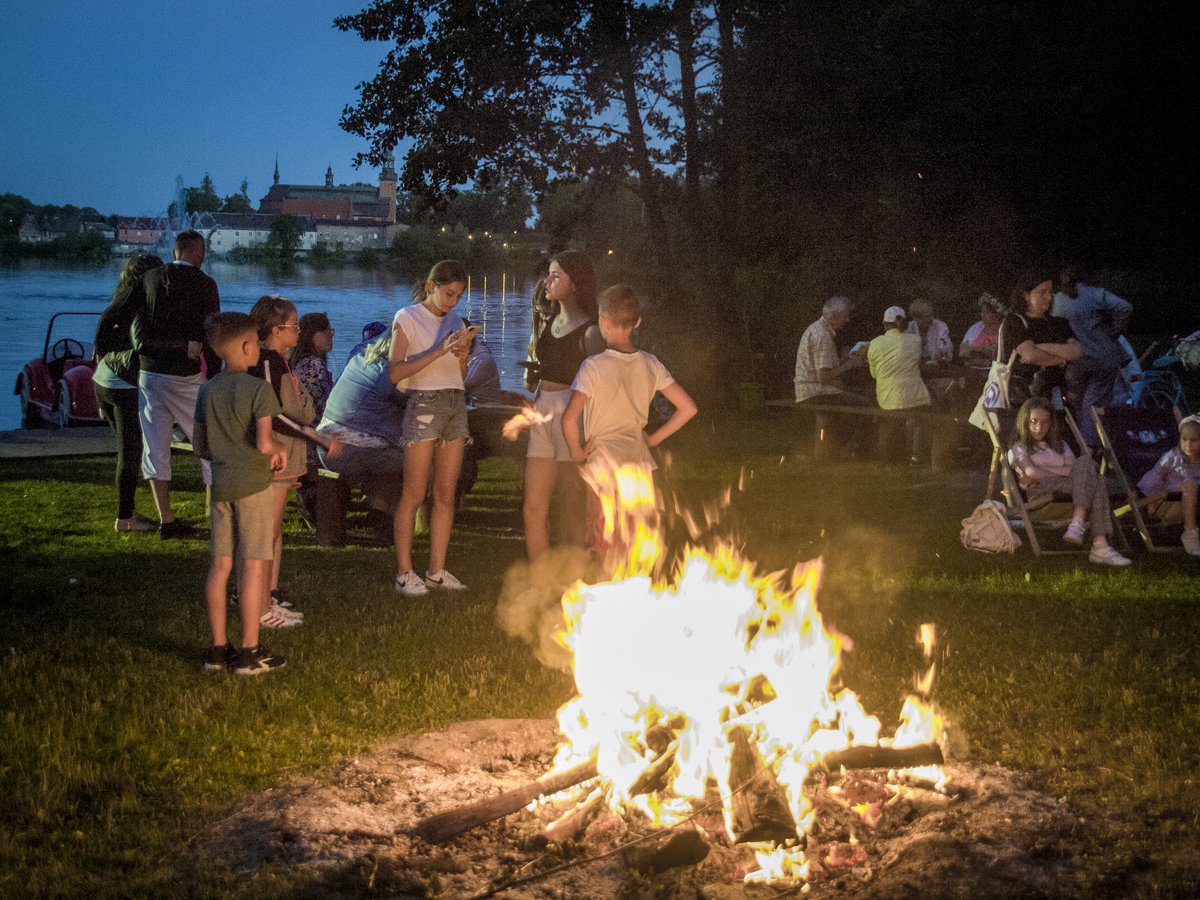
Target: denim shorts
434	416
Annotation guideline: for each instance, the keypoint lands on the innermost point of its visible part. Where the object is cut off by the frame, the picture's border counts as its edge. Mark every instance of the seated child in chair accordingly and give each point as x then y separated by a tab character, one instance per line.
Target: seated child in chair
1044	463
1178	470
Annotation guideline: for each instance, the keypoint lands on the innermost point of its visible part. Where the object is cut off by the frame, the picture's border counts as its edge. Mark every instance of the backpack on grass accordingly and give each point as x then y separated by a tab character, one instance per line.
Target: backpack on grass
987	530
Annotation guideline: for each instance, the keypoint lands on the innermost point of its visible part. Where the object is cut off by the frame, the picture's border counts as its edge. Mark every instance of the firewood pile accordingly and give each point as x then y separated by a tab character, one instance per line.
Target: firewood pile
365	828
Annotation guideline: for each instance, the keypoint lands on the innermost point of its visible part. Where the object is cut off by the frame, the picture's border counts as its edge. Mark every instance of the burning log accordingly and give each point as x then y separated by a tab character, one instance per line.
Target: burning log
572	824
880	758
454	822
759	810
685	847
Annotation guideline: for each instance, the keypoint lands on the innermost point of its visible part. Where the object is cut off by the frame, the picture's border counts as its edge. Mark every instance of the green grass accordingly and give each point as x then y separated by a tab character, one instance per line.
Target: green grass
117	749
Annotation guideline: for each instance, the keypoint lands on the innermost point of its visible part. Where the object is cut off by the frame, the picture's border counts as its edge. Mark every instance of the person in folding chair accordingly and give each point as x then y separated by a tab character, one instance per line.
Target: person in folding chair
1044	463
1178	471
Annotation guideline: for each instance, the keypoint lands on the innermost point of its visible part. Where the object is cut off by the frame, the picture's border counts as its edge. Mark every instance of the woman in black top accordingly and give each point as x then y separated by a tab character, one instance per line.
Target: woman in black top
115	383
570	335
1044	343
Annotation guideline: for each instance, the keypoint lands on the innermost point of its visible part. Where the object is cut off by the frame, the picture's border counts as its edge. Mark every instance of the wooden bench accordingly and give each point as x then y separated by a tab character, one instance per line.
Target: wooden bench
944	428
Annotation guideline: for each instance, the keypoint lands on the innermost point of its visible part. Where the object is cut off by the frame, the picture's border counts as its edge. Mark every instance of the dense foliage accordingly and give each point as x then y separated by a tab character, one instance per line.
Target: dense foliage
778	152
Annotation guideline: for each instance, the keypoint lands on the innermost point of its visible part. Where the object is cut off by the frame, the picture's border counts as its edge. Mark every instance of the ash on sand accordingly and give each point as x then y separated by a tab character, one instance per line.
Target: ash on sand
346	833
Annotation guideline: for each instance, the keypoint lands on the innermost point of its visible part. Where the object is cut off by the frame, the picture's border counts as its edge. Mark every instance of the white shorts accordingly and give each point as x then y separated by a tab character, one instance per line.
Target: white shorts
165	401
546	439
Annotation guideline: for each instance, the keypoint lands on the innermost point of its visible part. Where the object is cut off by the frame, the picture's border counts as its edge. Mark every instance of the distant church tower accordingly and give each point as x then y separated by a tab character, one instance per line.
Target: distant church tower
387	184
329	177
276	168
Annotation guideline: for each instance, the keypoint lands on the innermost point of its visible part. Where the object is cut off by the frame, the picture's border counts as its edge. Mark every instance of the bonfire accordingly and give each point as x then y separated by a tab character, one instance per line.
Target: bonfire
710	704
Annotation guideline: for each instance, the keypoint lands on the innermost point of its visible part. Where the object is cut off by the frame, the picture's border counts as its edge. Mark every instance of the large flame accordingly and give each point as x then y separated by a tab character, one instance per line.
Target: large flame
691	657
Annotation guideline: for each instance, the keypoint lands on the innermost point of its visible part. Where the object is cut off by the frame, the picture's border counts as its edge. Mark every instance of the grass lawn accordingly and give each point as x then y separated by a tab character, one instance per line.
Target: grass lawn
117	748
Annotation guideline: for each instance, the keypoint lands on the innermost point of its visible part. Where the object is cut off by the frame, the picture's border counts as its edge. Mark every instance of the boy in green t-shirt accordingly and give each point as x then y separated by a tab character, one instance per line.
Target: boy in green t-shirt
233	430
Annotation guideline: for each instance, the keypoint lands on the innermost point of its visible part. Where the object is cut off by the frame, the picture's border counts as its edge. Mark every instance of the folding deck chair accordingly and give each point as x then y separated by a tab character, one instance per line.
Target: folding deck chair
1049	514
1134	438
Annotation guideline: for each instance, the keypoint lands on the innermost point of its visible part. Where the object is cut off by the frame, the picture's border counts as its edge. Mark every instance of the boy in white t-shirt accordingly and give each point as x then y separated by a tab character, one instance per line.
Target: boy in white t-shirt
613	391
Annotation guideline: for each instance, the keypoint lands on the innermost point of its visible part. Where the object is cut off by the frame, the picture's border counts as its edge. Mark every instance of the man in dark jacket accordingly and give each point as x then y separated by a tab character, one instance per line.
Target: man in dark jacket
168	335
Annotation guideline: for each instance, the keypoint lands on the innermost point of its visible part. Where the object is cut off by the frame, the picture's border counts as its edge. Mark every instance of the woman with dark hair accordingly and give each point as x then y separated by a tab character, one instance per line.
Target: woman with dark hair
115	384
428	359
309	362
1044	464
570	335
310	358
1044	344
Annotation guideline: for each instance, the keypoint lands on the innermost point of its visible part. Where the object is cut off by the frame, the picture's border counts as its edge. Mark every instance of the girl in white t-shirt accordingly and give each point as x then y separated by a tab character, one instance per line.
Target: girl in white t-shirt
428	358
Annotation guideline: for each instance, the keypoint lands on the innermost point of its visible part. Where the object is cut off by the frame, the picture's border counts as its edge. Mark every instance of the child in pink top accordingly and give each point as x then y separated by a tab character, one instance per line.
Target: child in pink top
1045	464
1179	470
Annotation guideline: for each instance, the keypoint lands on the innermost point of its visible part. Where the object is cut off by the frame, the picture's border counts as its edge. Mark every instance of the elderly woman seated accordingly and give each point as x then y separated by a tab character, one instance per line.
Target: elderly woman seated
980	343
1045	464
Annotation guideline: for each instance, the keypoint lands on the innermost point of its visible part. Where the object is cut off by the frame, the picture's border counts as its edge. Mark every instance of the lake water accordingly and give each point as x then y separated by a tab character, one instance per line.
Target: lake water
33	292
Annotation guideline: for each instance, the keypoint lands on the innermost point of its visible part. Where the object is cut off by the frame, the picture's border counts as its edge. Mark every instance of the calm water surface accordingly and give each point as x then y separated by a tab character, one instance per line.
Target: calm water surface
32	293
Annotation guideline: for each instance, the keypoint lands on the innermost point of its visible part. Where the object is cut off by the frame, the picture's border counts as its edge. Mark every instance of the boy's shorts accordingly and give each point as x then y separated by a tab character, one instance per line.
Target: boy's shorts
434	416
546	439
251	518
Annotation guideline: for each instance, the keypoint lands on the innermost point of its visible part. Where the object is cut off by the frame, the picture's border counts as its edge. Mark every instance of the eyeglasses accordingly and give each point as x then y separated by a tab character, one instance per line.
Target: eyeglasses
297	327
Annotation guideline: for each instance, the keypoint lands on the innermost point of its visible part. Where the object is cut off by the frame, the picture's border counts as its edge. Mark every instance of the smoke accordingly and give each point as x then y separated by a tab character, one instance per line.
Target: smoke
530	606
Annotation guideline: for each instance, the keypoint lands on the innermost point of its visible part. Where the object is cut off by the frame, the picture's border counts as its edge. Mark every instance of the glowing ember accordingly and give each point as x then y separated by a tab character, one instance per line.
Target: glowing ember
526	418
717	658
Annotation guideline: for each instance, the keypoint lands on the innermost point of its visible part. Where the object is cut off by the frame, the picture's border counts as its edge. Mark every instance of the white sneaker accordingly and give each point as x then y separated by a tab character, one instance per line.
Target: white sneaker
278	617
1075	532
443	580
410	585
1191	541
135	522
1107	556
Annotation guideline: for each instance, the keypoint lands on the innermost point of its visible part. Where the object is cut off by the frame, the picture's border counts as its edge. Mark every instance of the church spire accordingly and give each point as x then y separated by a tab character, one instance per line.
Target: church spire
389	168
329	176
277	168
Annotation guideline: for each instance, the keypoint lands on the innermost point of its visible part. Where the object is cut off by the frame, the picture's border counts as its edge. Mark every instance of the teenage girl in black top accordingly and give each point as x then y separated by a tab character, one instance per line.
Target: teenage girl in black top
570	336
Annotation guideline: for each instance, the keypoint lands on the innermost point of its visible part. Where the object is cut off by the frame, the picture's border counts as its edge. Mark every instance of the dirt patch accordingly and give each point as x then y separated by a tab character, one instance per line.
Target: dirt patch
349	830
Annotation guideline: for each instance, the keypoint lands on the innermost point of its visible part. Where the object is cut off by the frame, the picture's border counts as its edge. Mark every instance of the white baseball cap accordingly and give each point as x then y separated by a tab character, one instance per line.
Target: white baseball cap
892	313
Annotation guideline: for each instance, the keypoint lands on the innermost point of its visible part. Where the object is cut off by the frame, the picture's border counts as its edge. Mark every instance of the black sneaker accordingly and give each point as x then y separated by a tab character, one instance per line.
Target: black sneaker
176	529
255	661
219	658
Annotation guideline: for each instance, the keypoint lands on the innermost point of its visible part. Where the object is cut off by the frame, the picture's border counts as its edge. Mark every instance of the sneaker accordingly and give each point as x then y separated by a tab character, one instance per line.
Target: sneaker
1075	532
255	661
443	581
219	658
286	608
1107	556
176	529
134	523
1191	541
278	617
410	585
279	598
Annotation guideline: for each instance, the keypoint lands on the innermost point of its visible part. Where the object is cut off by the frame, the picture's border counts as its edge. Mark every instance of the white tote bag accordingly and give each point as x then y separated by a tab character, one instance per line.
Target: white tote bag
995	391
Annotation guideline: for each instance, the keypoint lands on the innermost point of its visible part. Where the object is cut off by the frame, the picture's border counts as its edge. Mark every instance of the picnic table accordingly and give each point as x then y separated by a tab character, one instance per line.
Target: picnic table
945	422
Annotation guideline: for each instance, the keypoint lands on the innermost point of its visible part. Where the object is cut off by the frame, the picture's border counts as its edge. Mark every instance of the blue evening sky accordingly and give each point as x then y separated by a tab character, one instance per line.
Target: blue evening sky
103	103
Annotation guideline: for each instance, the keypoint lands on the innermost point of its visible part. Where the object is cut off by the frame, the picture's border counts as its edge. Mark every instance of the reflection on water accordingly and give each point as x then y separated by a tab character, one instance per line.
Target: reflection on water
32	293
